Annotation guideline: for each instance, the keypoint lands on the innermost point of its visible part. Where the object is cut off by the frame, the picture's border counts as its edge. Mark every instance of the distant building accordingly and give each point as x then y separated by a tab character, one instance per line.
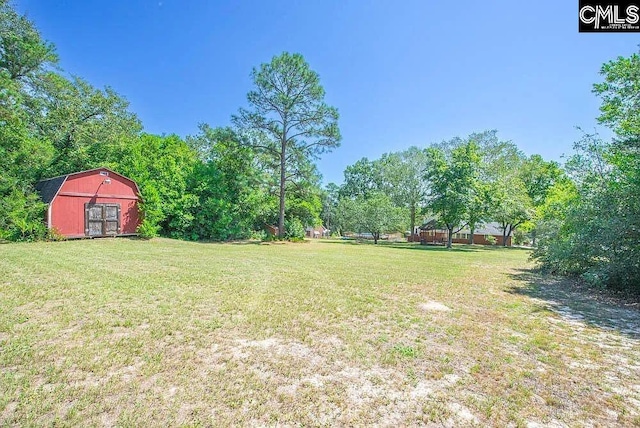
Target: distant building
317	232
272	230
487	234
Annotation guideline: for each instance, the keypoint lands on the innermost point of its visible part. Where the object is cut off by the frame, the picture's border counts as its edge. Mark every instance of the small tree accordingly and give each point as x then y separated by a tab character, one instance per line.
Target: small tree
538	177
403	179
453	181
330	201
512	206
289	121
375	215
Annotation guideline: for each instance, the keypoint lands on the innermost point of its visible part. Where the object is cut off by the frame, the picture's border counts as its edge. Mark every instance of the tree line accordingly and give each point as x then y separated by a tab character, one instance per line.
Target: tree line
582	217
222	183
460	183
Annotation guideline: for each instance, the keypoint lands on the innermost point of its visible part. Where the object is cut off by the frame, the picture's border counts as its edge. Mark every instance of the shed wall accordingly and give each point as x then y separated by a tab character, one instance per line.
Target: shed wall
67	211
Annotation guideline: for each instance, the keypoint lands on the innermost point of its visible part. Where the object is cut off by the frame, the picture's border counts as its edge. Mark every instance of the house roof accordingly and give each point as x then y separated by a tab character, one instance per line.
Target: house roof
491	228
430	224
310	228
49	188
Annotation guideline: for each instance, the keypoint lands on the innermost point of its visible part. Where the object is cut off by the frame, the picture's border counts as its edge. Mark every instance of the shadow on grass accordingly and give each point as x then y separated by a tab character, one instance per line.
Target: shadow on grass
576	302
242	242
418	247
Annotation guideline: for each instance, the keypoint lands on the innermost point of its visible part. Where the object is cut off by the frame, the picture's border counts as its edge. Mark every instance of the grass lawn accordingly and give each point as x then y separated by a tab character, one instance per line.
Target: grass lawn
163	333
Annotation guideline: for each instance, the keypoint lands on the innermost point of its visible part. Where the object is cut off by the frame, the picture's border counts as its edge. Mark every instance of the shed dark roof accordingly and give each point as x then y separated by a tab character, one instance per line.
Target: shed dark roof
48	189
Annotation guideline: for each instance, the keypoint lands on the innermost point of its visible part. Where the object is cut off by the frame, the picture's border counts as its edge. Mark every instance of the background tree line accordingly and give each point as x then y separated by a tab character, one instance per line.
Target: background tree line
583	217
222	183
461	183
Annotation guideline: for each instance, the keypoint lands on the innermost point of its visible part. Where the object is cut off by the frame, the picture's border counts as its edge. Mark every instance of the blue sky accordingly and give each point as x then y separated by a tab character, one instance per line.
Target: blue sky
400	73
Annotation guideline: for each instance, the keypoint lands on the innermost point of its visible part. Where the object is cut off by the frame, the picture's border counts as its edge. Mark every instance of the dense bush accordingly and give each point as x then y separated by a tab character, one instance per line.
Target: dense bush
294	230
147	229
22	216
594	230
591	227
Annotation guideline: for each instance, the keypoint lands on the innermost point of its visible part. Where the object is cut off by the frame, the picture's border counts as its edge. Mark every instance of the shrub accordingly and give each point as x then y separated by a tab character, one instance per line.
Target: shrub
294	230
54	235
258	235
22	216
520	237
147	229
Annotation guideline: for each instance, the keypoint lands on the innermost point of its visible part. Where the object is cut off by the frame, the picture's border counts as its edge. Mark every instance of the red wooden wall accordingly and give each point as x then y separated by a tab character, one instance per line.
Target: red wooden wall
67	210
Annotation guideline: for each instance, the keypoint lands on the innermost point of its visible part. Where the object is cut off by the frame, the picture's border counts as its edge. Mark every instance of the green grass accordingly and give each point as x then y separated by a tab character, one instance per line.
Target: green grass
161	332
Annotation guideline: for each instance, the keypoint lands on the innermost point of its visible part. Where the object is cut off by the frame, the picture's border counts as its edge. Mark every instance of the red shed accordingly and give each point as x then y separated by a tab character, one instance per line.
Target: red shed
97	202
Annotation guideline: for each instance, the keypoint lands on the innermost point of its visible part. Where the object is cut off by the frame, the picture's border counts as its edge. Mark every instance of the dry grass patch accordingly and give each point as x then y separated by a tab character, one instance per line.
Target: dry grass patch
129	333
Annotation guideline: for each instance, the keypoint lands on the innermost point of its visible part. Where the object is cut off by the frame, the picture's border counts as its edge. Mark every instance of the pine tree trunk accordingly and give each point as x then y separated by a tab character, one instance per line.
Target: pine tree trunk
282	186
413	222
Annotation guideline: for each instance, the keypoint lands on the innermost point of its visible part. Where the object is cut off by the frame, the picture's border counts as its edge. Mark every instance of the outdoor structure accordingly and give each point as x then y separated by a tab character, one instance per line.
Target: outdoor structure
93	203
272	230
487	234
316	232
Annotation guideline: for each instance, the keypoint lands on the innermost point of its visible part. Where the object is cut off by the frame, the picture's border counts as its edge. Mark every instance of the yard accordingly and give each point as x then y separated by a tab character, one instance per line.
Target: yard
146	333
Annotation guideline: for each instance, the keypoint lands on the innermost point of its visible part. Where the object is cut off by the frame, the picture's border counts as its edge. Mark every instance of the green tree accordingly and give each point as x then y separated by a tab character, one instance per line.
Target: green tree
575	229
539	177
23	51
289	120
225	182
620	110
162	166
403	179
479	208
330	198
591	227
375	214
506	193
511	205
24	55
84	124
498	159
361	179
452	181
305	203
